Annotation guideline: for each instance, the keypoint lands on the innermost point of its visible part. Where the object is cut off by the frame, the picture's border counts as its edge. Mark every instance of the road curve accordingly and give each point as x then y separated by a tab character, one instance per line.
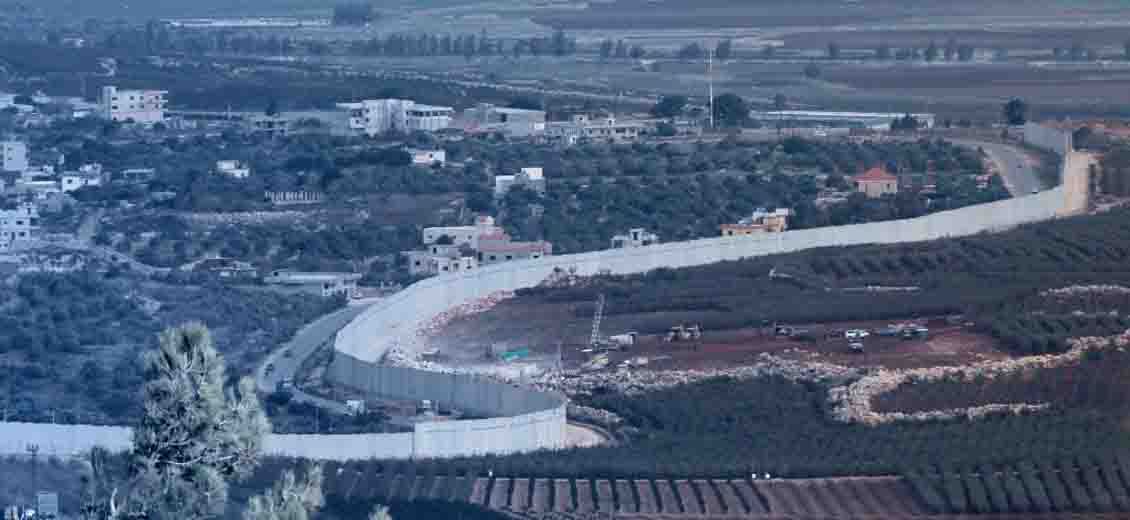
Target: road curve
1014	164
300	347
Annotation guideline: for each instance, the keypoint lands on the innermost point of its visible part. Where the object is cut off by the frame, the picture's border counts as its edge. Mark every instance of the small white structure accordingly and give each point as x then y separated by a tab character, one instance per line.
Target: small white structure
14	155
355	406
133	106
323	284
87	175
635	237
529	178
136	175
377	116
233	169
428	157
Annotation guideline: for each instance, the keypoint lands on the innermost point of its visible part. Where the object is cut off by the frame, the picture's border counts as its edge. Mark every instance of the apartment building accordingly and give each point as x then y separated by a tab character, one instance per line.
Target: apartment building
133	106
14	155
377	116
17	225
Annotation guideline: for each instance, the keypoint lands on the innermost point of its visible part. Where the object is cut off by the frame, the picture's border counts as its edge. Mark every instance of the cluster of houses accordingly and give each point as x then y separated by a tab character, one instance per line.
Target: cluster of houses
449	249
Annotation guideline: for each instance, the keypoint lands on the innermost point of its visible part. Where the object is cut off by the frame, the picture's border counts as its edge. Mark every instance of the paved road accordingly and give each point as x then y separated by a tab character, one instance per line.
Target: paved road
300	347
1015	166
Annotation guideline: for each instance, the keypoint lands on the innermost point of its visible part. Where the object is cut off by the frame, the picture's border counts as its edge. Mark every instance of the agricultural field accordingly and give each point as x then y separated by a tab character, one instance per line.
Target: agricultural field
985	299
993	280
1080	485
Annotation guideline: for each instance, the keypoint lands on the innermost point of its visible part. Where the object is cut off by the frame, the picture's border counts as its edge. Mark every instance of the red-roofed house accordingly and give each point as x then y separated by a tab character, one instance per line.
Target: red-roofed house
876	182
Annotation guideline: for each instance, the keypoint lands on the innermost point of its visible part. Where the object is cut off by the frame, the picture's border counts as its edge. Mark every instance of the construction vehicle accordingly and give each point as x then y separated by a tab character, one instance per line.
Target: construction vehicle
626	339
683	333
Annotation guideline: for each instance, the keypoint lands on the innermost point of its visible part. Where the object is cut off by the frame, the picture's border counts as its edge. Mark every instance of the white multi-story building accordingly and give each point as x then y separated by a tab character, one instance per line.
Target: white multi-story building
136	106
233	169
14	154
377	116
17	225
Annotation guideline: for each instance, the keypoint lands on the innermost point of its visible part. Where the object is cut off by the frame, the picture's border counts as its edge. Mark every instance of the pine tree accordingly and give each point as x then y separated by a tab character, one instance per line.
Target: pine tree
194	436
290	499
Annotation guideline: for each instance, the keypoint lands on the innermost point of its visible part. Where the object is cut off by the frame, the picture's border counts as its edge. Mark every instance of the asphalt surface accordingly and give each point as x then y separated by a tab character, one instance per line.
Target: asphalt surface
287	358
1019	176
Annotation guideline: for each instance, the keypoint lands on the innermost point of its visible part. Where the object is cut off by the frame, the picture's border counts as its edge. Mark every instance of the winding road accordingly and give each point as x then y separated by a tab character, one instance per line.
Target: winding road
289	357
1014	164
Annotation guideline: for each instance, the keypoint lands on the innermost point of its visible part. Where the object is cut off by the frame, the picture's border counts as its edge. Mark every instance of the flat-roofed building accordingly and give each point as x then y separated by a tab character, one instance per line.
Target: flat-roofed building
512	122
376	116
133	106
761	221
323	284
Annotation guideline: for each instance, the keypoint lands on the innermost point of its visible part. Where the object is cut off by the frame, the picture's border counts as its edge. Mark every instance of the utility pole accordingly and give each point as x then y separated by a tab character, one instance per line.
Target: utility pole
710	82
33	450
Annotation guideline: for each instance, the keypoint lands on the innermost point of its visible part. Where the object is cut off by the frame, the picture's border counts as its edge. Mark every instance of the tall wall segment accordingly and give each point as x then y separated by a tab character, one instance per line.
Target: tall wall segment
524	419
361	345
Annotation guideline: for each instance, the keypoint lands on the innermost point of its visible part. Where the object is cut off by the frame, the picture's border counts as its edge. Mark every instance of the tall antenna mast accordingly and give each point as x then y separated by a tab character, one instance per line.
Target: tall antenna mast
710	82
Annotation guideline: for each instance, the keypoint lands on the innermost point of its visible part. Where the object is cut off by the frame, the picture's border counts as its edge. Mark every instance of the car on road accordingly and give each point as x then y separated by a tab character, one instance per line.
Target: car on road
269	369
287	353
856	334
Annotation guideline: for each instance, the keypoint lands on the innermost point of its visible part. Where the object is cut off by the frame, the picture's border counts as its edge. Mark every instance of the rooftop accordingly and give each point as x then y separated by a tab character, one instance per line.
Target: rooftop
874	175
303	278
505	246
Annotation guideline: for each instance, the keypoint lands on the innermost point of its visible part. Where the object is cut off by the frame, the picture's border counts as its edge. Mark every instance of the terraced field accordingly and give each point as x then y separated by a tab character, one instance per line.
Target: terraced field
873	497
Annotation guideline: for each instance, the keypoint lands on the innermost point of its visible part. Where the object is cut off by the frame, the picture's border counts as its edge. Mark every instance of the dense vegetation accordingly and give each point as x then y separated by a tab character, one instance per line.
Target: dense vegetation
725	427
1079	485
994	279
338	508
70	341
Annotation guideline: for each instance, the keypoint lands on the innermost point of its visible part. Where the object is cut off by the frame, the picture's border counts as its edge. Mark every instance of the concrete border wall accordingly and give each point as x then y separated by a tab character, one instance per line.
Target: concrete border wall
526	419
1051	139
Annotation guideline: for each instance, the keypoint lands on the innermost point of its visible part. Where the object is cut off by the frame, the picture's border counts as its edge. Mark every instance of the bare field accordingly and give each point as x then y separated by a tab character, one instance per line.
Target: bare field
1043	38
540	327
